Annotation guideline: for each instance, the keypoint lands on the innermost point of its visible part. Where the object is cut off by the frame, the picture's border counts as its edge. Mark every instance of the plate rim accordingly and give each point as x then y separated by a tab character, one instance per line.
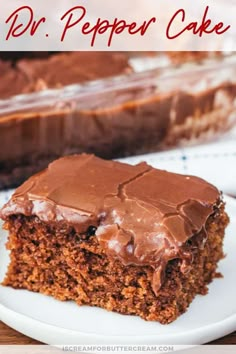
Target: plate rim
226	321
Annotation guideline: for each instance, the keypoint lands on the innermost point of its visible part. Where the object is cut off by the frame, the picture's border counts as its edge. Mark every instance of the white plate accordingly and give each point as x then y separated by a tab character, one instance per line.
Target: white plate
53	322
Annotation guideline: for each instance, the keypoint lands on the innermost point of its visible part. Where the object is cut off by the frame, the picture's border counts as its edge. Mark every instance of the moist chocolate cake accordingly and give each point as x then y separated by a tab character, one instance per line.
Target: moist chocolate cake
130	239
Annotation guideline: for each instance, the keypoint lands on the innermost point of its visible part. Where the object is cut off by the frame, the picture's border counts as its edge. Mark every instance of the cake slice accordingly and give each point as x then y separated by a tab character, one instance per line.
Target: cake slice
130	239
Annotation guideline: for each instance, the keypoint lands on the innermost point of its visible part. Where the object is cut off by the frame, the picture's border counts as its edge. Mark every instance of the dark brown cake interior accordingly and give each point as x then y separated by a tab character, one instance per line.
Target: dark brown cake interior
55	260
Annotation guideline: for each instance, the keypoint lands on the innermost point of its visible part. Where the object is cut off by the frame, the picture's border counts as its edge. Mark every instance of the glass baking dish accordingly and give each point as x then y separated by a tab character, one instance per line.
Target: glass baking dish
158	106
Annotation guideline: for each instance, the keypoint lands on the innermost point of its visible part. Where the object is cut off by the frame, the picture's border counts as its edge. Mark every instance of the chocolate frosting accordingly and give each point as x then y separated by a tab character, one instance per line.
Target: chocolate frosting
143	216
54	71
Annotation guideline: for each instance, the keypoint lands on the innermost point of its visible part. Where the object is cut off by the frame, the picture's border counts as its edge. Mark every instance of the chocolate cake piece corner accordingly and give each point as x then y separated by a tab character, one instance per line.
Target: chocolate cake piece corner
130	239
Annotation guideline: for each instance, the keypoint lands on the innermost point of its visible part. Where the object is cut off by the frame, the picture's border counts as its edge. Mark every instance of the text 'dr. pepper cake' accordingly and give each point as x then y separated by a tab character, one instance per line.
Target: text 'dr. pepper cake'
130	239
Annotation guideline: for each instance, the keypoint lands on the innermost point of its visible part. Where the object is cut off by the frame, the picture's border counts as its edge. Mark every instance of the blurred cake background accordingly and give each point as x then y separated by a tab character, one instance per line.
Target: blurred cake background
177	108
